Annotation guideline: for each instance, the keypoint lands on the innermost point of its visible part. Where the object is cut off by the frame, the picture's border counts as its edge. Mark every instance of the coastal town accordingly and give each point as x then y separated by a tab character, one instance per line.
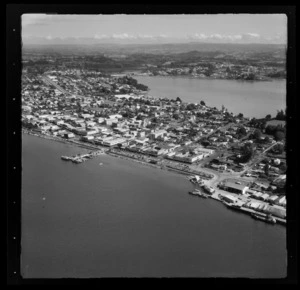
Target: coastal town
237	160
215	70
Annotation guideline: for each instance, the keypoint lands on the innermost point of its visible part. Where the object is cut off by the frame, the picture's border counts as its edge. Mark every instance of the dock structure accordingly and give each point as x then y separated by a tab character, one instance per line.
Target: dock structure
82	157
246	210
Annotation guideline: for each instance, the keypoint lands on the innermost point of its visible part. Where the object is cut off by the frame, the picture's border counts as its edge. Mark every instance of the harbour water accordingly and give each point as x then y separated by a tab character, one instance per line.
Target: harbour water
123	219
253	99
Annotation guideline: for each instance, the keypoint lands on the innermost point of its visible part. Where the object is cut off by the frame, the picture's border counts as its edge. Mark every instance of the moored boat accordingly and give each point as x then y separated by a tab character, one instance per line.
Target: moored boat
194	192
268	219
77	160
198	193
65	158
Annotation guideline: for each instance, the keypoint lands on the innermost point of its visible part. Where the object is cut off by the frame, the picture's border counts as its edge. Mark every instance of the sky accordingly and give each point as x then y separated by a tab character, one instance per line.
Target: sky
239	28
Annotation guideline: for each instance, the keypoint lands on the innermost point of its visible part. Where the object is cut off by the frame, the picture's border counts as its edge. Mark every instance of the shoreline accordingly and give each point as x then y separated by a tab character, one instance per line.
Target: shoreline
116	155
210	81
209	78
61	140
112	154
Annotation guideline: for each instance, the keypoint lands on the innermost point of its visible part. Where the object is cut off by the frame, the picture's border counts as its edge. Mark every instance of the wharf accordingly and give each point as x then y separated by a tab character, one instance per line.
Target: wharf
249	211
82	157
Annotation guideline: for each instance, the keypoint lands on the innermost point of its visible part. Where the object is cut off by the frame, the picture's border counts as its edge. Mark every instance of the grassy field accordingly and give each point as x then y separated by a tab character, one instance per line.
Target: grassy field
275	123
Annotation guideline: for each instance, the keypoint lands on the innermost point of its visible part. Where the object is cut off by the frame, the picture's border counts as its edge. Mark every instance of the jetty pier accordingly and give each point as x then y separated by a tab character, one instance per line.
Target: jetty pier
79	158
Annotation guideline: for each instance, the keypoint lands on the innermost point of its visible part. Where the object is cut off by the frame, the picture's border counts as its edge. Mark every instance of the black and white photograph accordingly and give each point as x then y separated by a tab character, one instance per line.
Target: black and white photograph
153	145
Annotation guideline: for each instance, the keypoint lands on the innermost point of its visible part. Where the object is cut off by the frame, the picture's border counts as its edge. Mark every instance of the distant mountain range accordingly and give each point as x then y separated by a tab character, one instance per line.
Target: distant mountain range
159	39
86	47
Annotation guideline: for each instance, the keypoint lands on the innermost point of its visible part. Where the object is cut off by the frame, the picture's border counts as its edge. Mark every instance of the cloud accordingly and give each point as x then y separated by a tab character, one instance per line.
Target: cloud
255	35
123	36
250	37
102	36
144	36
130	36
239	38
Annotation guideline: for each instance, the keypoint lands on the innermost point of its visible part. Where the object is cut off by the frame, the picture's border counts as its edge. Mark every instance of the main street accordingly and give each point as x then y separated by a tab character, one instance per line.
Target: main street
50	82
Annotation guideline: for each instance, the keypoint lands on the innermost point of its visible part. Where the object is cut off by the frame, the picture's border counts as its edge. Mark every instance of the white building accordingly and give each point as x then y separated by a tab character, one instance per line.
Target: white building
281	200
158	133
265	196
116	116
113	141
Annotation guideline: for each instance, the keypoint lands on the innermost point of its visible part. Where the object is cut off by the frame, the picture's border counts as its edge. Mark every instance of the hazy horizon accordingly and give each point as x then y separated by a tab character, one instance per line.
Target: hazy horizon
153	29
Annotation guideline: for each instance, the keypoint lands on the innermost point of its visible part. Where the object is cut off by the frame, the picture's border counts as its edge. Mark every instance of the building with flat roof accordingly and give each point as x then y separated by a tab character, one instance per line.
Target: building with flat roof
228	198
234	187
114	141
158	133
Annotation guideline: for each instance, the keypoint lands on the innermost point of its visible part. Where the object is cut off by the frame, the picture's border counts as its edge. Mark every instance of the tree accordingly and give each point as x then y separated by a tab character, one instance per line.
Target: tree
283	167
178	100
280	115
242	131
250	76
257	134
176	116
204	142
266	169
192	133
279	135
270	129
267	139
209	71
202	103
278	149
191	107
247	152
268	117
240	115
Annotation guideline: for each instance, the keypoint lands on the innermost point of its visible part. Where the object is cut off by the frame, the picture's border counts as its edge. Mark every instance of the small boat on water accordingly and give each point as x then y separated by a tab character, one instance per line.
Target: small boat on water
198	193
268	219
86	156
77	160
65	158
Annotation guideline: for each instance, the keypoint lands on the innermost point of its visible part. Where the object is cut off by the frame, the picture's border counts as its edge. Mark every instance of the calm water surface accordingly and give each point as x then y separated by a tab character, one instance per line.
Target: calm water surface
253	99
127	220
